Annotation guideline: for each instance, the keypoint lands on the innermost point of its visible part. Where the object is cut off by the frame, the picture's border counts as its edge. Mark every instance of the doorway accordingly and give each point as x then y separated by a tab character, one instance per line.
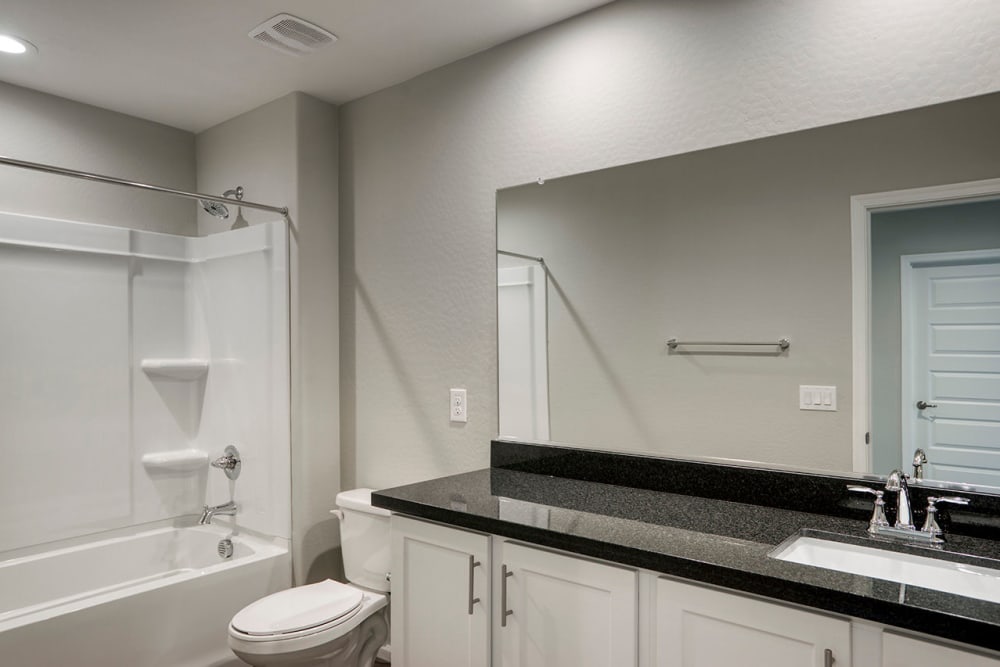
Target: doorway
887	227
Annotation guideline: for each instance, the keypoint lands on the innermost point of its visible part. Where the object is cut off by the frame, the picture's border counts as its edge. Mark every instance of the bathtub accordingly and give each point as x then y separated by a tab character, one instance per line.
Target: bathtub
160	597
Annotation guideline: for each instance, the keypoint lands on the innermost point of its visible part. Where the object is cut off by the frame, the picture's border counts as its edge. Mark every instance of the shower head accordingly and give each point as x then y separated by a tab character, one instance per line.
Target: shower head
218	209
215	208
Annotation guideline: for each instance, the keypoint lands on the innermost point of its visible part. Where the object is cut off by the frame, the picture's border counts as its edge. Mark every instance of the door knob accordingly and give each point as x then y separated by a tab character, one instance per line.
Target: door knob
921	405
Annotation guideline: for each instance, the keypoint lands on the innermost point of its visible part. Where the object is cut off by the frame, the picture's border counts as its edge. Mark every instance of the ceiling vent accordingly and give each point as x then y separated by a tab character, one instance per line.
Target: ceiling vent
291	35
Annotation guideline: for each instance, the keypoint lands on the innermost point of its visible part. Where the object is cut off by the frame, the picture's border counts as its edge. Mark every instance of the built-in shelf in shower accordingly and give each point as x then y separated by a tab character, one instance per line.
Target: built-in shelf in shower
178	460
176	368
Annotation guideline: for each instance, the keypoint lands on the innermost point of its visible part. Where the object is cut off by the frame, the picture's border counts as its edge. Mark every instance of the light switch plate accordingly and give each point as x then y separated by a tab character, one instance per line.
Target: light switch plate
815	397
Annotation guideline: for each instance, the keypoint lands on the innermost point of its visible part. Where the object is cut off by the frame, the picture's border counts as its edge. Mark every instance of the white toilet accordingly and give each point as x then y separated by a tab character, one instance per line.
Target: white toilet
327	624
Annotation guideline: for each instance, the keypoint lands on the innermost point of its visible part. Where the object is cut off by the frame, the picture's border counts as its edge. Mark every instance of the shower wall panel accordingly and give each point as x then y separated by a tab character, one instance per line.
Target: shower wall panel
239	302
117	344
64	399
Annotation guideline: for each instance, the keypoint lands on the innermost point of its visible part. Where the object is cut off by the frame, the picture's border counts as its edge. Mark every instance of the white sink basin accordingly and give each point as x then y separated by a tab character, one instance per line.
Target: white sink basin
972	581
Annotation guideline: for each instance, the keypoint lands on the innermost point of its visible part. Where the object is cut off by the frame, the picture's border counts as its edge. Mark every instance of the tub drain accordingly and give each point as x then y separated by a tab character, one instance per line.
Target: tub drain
225	548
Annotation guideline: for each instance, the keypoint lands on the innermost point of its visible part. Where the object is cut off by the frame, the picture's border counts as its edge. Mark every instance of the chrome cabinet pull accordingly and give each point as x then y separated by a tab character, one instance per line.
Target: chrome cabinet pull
828	658
473	564
504	572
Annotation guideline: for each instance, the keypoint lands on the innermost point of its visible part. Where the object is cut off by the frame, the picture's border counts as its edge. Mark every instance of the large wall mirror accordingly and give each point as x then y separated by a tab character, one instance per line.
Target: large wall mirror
752	243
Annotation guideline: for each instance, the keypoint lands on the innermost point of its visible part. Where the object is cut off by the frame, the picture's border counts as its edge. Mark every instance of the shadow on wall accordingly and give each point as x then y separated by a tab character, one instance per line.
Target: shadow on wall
321	552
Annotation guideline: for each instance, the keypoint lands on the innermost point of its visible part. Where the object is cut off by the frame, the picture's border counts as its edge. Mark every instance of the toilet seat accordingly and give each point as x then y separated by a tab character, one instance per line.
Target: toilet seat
298	612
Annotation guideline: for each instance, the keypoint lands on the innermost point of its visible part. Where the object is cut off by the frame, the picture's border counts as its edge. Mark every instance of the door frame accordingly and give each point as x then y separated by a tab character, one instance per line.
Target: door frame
862	207
535	277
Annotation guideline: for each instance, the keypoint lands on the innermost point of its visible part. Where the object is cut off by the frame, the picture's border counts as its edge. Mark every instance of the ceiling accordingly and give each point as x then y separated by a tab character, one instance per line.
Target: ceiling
191	65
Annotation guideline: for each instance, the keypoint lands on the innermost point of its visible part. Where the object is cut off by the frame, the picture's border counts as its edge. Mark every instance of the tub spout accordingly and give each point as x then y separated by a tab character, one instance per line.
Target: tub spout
225	509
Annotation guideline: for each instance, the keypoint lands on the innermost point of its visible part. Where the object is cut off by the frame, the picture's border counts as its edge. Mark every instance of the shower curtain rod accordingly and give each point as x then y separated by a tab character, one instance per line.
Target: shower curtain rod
61	171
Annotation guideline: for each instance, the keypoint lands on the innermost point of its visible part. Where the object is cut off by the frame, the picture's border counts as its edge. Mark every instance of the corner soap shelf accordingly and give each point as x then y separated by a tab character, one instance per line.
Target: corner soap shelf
180	460
176	368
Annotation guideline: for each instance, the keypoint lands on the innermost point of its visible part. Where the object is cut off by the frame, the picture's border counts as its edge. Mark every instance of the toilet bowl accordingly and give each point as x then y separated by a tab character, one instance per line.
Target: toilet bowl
328	624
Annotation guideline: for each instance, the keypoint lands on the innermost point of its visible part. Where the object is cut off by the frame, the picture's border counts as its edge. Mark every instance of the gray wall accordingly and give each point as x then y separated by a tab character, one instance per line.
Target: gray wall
43	128
896	233
744	242
285	153
421	163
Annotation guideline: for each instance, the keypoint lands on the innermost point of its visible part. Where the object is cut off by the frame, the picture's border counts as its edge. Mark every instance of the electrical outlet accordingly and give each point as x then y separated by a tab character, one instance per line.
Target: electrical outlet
459	407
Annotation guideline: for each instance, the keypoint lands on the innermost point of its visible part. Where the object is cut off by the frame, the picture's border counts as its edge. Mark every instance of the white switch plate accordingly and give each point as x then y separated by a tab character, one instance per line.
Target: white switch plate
459	410
814	397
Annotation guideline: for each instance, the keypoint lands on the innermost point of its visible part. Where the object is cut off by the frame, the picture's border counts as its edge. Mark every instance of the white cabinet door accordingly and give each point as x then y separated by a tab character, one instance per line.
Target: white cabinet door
705	627
898	651
440	596
563	611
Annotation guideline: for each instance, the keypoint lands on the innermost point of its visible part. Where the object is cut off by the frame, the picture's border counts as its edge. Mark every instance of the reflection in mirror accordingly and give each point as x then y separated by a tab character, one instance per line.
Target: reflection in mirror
935	322
750	242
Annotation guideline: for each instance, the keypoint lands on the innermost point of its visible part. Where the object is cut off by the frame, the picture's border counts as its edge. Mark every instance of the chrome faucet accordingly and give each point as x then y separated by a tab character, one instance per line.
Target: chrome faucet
225	509
930	534
896	481
919	461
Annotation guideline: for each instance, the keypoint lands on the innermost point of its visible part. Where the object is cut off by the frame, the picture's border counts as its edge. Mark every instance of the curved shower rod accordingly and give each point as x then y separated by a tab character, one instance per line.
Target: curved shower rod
62	171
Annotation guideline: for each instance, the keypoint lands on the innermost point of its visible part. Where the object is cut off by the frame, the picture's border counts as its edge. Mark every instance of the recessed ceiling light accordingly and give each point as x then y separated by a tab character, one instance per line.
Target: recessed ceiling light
15	45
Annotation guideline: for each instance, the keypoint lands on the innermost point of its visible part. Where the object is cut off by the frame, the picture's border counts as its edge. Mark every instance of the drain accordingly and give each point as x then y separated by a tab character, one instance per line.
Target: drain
225	548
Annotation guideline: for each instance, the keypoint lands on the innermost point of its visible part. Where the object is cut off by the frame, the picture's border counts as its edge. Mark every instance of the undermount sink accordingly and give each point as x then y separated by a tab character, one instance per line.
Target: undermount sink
938	574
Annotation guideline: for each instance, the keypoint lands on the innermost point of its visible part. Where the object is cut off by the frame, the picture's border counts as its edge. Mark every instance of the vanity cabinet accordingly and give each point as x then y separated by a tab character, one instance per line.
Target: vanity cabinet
704	627
468	599
440	611
561	611
900	651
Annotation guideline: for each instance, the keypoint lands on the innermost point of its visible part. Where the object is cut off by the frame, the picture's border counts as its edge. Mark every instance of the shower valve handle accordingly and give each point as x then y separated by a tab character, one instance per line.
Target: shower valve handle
225	462
229	463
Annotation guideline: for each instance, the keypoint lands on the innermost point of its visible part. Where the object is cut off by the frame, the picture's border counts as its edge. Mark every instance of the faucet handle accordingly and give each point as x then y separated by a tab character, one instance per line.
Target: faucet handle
878	519
230	462
930	523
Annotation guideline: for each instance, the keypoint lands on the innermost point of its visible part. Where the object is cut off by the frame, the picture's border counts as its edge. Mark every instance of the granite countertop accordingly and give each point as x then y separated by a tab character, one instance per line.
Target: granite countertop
714	541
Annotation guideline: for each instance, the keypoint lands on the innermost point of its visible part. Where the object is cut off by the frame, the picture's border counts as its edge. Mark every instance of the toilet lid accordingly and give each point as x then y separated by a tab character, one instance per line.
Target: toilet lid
298	609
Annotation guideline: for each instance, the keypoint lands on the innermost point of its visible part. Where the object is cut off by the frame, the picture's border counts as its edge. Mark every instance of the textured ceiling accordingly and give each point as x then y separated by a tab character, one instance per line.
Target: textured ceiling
190	64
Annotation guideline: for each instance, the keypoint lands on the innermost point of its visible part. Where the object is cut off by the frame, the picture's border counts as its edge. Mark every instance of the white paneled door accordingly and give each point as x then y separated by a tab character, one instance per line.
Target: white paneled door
951	364
440	596
559	611
703	627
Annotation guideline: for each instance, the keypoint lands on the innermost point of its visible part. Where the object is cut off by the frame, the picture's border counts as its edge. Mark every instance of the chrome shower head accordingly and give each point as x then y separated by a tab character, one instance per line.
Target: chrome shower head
218	209
215	208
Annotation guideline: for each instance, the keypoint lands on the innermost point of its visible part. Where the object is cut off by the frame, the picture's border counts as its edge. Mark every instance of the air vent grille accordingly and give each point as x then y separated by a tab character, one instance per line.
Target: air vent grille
291	35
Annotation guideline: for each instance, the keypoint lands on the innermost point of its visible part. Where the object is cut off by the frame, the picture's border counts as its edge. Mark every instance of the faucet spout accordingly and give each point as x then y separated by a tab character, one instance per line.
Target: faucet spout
896	481
225	509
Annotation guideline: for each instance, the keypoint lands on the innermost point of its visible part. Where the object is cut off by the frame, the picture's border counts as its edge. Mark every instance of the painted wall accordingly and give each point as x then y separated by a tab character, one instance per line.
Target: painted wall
421	162
895	233
285	153
43	128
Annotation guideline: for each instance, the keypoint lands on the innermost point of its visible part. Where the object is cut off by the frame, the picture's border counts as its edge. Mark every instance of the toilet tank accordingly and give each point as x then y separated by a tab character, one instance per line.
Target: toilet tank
364	538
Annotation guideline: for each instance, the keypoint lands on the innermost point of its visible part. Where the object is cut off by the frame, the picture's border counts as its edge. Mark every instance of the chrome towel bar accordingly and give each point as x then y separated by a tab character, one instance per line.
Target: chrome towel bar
782	343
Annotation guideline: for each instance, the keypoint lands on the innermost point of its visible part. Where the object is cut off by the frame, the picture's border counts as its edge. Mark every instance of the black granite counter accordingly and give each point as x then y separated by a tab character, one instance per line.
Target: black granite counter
710	540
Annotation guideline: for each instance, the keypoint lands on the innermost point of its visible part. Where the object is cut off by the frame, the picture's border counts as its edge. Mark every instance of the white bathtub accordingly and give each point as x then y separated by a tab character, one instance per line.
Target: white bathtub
161	597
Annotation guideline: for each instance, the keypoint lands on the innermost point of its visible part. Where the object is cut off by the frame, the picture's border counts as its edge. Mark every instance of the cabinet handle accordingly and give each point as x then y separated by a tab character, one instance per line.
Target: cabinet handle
503	596
828	658
473	564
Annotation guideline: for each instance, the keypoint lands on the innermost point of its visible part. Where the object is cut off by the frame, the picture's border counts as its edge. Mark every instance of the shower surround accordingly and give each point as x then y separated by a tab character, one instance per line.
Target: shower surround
128	360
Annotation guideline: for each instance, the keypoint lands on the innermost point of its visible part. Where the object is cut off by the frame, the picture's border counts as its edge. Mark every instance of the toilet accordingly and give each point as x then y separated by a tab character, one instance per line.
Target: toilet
327	624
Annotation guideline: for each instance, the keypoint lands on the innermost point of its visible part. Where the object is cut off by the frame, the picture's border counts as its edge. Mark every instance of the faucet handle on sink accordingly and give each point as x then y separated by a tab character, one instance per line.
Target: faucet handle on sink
930	523
878	519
